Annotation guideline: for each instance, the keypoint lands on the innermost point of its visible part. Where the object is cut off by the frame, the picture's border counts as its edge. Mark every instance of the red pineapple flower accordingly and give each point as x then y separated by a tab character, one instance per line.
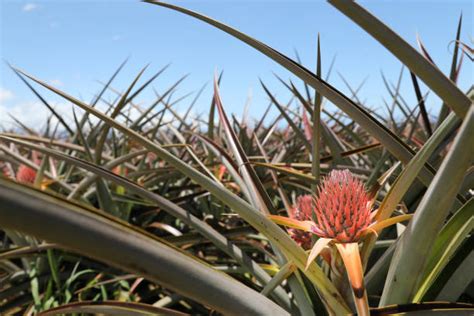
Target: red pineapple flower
301	211
221	171
5	172
308	129
342	207
118	171
343	211
25	174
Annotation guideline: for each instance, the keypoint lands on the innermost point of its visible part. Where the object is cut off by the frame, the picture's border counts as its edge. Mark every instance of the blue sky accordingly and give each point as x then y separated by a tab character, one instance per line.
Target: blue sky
72	44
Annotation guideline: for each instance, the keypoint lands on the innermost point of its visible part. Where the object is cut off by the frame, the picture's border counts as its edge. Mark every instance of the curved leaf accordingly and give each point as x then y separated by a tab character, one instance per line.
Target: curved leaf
406	269
392	142
115	242
110	308
446	244
203	228
250	214
419	65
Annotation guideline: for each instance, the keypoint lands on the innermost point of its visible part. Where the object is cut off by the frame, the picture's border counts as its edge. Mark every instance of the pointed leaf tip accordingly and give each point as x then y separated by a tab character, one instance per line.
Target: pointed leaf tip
320	244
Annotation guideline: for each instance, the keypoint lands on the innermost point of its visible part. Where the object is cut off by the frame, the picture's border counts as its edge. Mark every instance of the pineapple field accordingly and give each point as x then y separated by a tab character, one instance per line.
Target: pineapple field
322	205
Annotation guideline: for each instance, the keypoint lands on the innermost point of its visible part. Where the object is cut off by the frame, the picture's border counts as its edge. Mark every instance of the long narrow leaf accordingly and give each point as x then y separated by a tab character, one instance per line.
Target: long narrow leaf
118	244
406	269
245	210
110	308
419	65
220	241
393	143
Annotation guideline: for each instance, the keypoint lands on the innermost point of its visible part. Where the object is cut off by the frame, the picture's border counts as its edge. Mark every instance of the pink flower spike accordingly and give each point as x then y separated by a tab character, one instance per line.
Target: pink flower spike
302	211
25	174
304	208
5	172
308	129
342	216
342	207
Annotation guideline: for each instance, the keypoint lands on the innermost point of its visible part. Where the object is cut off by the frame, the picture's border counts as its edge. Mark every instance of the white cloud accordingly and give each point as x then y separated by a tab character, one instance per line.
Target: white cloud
34	114
5	95
29	7
23	112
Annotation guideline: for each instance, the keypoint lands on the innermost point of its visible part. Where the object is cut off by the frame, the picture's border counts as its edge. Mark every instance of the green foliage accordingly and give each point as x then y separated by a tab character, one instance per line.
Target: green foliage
148	210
